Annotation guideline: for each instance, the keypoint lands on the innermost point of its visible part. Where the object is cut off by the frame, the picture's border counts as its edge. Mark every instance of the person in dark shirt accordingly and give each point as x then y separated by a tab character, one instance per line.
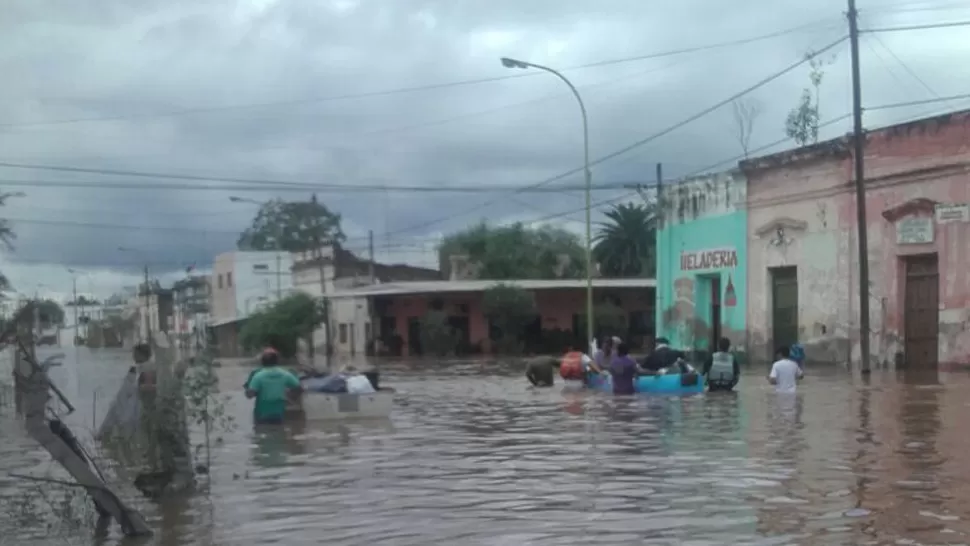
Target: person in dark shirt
721	368
541	373
624	370
663	356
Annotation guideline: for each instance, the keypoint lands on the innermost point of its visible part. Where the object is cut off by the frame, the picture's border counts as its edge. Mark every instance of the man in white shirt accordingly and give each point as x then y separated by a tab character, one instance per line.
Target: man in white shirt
785	372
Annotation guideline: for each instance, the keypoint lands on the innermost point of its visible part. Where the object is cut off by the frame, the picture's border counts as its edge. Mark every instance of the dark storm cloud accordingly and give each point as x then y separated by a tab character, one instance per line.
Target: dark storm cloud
128	62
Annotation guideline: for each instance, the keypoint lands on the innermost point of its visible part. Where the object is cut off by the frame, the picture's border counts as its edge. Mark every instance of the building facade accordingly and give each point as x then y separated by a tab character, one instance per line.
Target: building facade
701	261
352	330
191	298
241	283
803	246
399	308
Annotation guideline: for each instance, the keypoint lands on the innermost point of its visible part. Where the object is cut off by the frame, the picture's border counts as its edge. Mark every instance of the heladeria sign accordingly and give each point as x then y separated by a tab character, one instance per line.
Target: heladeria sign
709	259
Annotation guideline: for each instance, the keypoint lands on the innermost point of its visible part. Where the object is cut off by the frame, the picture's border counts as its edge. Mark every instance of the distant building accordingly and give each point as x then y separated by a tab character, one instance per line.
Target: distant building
351	317
241	283
191	300
155	309
397	308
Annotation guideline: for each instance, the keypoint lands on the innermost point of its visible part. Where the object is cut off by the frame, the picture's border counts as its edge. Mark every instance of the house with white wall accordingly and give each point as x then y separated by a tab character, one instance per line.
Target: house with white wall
241	283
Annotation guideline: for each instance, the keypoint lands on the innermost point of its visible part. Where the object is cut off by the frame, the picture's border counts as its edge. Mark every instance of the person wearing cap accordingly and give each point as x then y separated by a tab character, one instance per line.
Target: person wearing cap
270	385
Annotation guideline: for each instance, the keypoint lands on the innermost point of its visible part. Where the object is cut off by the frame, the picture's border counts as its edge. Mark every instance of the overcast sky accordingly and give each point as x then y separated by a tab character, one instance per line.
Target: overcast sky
314	92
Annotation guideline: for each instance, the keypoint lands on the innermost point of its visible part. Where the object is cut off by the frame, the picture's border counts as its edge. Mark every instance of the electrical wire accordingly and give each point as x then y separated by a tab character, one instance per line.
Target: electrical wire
927	26
641	142
323	188
906	67
426	87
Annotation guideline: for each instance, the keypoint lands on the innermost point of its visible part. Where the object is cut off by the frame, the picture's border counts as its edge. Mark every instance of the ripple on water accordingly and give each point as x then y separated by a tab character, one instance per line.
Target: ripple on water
475	458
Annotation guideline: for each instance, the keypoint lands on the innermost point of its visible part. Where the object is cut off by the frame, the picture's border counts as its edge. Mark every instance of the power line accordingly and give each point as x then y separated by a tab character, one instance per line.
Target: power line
426	87
928	26
916	102
324	188
641	142
906	67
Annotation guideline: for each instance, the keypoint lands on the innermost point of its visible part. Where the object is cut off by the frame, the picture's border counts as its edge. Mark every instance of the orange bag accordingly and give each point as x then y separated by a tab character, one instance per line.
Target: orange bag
572	366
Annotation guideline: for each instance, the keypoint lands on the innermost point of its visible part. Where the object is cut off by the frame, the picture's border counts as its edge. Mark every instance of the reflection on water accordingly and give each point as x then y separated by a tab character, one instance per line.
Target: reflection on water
474	457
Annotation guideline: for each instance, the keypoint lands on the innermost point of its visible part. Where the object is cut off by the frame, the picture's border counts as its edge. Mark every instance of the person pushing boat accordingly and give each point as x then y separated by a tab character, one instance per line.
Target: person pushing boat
663	356
541	373
269	386
623	369
722	369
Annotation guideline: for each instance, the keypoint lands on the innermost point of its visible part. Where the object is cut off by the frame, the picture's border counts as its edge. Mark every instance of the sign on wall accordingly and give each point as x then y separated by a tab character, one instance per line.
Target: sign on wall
709	259
914	230
946	214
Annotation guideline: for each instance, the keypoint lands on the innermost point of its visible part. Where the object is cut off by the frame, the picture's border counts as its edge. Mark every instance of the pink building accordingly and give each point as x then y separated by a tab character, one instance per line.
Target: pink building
803	253
399	306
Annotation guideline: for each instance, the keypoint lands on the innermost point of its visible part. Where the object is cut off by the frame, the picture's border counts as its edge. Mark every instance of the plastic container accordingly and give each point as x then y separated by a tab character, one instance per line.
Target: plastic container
652	384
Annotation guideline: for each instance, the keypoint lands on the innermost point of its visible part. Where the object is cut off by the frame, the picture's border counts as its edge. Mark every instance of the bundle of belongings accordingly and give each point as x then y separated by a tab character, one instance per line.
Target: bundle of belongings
348	380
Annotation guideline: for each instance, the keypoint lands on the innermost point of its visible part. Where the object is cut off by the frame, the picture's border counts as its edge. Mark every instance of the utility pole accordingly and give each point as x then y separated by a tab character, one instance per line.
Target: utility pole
77	327
321	269
37	314
858	137
148	308
370	253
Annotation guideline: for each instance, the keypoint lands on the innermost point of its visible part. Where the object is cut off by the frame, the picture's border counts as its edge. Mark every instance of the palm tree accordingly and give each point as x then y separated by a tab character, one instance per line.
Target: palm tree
6	235
626	243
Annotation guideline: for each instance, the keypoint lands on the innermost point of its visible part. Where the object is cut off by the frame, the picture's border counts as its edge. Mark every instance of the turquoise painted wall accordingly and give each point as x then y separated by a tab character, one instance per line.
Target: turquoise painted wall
690	255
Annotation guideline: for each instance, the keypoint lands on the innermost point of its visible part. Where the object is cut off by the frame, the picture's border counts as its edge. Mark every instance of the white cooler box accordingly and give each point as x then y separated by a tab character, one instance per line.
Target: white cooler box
321	405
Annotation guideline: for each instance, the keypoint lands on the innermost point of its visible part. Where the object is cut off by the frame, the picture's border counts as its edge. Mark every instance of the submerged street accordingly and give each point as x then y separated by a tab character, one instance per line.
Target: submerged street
473	457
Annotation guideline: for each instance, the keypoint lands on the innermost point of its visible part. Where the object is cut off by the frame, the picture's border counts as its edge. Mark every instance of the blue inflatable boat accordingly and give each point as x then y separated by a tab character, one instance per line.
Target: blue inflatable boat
653	384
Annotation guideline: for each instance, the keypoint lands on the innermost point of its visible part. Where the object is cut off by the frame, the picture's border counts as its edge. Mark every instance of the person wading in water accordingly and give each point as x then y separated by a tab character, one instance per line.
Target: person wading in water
270	386
721	369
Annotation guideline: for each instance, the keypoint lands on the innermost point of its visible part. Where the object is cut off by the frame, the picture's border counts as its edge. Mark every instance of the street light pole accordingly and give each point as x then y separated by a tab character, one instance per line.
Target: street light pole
513	63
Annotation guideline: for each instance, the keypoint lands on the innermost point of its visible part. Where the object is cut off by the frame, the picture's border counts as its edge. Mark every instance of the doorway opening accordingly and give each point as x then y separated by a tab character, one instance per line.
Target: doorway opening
921	312
784	306
715	312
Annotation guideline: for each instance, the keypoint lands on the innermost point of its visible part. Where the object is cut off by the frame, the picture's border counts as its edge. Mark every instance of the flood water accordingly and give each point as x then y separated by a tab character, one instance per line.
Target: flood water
472	457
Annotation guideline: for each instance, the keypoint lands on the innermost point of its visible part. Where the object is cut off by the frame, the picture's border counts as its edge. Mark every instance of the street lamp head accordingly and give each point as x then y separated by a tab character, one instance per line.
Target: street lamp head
512	63
235	199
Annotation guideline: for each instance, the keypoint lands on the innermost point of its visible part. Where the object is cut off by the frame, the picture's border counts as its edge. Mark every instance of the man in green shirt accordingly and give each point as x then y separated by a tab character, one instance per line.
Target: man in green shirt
270	386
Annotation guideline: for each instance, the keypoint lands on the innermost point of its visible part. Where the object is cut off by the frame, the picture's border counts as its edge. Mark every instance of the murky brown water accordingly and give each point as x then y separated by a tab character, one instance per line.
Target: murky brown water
473	457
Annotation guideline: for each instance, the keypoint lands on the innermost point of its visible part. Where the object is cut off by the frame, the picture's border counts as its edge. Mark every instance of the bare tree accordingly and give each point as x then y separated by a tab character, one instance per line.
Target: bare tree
746	111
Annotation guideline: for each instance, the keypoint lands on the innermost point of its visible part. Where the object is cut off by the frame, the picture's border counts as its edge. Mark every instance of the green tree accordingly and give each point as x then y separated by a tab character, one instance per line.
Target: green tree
7	236
802	123
282	324
610	320
510	310
50	313
83	301
626	244
292	226
515	252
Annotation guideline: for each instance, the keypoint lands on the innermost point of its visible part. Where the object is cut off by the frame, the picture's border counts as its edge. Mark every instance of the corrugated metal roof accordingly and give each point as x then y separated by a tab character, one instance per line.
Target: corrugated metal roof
438	287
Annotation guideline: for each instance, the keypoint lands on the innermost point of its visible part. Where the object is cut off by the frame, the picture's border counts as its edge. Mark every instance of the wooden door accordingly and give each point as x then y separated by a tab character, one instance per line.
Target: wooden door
784	307
921	314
